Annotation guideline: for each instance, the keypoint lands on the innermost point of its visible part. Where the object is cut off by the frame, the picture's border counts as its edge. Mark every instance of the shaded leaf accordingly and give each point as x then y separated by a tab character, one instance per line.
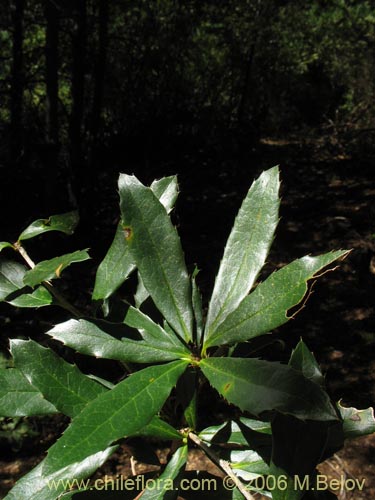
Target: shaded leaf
66	223
141	294
266	308
304	361
18	398
87	338
257	386
156	249
50	269
247	248
197	307
159	429
357	422
118	263
167	479
117	413
153	333
12	288
61	383
40	486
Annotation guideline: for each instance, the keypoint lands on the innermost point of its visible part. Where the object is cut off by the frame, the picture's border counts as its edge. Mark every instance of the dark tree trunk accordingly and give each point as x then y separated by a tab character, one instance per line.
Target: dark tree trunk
100	67
52	65
17	82
79	43
50	151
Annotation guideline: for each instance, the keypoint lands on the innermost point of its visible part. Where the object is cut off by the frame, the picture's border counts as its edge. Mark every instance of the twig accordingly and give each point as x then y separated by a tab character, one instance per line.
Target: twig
223	464
60	300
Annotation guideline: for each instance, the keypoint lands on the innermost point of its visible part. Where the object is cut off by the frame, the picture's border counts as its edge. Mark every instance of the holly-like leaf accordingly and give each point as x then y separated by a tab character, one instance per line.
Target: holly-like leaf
65	223
40	486
50	269
156	249
13	290
18	398
169	477
118	263
87	338
357	422
61	383
267	306
117	413
304	361
247	248
257	386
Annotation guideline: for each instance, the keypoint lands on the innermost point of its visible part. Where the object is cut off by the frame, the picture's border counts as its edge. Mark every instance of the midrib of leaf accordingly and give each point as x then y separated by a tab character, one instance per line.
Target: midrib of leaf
182	323
214	323
132	399
298	396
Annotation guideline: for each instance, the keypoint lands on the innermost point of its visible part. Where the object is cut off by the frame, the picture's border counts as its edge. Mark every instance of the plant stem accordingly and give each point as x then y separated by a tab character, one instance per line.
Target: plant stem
60	300
223	464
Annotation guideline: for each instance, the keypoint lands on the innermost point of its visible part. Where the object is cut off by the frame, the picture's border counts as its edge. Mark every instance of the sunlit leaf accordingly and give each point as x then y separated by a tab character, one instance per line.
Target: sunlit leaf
247	248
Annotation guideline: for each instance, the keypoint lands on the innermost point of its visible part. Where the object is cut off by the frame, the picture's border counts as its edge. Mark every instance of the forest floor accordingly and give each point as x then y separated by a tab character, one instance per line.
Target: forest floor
327	203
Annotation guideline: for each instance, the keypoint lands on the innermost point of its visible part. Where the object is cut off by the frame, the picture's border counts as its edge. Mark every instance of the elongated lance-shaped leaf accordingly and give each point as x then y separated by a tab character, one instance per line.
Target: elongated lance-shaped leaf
49	269
168	480
157	251
18	398
304	361
61	383
87	338
152	333
117	413
36	485
357	422
13	291
257	386
267	306
118	263
65	223
248	464
247	248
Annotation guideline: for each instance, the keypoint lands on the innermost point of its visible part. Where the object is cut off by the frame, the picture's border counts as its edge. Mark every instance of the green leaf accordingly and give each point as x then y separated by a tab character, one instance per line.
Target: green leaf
231	433
18	398
357	422
117	413
66	223
156	249
114	268
87	338
141	294
153	333
266	308
159	429
13	291
304	361
247	248
50	269
39	298
247	464
61	383
166	191
167	480
197	306
5	244
40	486
118	262
257	386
